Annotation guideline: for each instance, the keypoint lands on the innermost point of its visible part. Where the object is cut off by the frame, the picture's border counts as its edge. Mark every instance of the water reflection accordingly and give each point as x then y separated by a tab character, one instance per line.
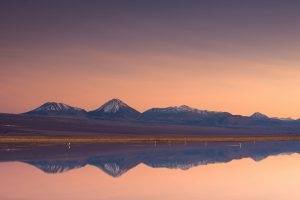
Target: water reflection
115	160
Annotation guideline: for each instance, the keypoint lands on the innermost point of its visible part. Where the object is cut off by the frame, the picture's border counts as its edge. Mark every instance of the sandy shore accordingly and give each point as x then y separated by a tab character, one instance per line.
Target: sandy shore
144	138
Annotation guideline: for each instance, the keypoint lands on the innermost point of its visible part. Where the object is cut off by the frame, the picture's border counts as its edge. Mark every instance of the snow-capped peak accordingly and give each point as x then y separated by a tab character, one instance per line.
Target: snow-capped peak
184	108
258	115
112	106
179	109
53	106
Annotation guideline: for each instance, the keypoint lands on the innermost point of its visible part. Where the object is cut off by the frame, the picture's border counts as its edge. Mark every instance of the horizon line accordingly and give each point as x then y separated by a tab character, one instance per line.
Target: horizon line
115	98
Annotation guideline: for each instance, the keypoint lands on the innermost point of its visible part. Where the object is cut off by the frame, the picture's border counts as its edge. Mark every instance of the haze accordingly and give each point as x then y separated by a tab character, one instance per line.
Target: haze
233	56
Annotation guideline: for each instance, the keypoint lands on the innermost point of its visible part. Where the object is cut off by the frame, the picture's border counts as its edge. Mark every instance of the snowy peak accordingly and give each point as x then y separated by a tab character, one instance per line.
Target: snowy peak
184	108
185	115
174	109
115	109
56	109
258	115
112	106
180	109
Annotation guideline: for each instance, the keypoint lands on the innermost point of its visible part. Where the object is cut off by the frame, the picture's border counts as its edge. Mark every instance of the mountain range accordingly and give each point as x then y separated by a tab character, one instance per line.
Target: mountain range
117	110
115	116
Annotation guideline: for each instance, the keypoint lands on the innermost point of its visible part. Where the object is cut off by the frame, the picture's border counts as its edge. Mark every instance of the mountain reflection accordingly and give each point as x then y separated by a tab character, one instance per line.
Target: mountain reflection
116	160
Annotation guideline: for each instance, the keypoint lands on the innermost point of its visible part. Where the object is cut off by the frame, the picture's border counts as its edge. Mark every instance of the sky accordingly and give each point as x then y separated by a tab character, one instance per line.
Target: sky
235	56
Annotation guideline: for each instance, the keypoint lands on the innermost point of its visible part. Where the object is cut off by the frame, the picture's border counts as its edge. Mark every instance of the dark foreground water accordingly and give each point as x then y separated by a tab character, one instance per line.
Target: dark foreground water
215	171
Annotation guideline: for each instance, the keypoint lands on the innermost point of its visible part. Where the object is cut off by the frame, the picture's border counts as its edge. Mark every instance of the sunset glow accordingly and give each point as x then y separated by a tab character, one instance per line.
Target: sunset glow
232	56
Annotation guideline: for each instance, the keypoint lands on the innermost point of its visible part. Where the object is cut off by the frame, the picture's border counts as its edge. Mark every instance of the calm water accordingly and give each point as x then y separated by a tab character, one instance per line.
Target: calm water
121	172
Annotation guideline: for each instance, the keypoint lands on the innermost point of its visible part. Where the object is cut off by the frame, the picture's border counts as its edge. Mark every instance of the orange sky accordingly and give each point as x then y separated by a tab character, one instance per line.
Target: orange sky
214	56
152	80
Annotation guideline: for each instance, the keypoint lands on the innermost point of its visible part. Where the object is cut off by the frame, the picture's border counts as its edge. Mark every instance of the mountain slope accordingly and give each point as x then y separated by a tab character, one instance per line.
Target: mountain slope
185	115
259	116
57	109
115	109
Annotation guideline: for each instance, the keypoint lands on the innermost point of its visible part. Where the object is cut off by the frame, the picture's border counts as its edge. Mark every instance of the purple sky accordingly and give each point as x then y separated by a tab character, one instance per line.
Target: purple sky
237	56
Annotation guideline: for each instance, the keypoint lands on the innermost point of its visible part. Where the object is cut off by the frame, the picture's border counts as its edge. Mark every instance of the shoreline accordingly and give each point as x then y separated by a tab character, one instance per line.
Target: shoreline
82	139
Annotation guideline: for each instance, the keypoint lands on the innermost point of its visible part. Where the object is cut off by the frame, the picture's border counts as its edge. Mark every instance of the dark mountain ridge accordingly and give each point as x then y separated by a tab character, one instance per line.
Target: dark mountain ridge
115	116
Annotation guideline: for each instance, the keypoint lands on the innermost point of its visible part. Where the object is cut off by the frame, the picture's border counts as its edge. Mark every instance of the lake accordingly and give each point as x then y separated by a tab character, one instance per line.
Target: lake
215	171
